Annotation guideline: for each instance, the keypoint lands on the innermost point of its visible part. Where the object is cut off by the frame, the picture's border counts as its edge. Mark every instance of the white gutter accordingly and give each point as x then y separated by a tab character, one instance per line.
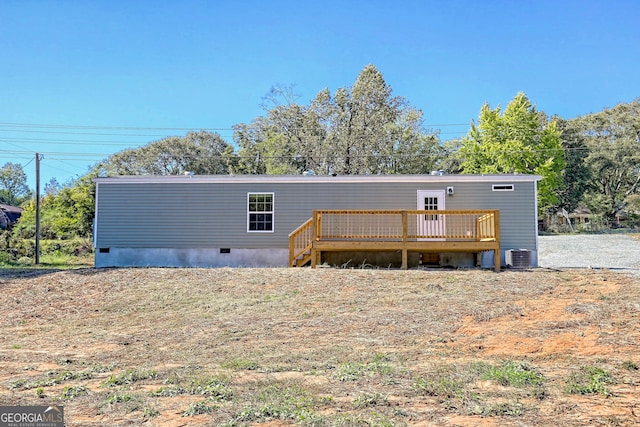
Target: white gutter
238	179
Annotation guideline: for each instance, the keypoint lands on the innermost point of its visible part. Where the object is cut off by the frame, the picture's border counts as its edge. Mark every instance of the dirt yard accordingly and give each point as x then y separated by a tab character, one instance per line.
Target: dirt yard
324	347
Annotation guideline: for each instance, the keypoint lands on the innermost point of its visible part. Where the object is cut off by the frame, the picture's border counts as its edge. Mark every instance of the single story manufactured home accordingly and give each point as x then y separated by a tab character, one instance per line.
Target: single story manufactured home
254	220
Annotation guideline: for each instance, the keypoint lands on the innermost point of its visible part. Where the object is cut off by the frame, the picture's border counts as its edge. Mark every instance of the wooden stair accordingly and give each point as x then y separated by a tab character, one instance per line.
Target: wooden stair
302	259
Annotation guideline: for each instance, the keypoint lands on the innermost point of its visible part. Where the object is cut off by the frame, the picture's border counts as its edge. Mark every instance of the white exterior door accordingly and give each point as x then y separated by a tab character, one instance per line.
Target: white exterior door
431	225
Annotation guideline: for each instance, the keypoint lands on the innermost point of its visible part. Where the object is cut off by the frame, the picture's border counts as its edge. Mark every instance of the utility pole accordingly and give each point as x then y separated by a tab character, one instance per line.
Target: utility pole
37	208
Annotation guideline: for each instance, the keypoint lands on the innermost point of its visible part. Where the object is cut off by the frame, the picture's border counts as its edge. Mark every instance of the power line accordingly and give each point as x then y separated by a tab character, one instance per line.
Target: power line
207	128
109	142
85	142
69	141
61	126
88	133
54	153
146	156
58	168
84	156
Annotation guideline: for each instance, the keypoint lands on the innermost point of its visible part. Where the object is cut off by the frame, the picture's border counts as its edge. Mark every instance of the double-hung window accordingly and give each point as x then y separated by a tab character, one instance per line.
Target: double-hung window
260	212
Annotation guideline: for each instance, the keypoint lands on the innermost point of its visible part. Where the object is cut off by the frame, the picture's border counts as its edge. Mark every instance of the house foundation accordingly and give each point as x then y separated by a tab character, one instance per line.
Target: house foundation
198	257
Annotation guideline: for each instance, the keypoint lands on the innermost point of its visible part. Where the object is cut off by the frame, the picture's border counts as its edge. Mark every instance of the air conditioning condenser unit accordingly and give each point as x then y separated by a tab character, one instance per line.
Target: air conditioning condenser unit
517	258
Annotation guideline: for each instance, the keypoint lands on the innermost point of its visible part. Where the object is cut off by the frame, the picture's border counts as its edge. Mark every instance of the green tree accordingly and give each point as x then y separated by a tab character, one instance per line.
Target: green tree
576	175
449	159
374	132
367	115
360	130
254	156
289	139
613	139
13	185
67	214
198	152
52	187
520	140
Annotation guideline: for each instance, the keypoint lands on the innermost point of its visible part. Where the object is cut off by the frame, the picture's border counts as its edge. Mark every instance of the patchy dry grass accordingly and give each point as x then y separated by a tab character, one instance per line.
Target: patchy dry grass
325	347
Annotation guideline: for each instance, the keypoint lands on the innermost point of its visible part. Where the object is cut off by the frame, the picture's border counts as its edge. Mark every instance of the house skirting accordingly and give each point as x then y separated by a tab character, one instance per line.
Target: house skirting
198	257
273	257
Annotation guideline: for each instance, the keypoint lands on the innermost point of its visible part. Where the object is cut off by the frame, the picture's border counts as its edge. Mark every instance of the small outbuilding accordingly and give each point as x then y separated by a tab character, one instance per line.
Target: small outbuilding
276	221
9	215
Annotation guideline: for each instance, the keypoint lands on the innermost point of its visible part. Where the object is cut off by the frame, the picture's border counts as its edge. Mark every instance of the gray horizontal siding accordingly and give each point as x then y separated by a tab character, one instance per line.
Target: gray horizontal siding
205	215
518	226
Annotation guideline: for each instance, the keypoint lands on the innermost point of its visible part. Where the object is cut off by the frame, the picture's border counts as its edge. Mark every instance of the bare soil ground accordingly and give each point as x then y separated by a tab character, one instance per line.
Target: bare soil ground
324	347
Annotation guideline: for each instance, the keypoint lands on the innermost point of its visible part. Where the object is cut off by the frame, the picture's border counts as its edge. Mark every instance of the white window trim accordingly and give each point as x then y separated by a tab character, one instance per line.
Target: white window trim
272	212
503	187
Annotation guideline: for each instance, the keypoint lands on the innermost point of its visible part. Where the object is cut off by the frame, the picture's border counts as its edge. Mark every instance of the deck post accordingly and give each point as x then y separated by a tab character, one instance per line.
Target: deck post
496	252
292	249
405	232
314	237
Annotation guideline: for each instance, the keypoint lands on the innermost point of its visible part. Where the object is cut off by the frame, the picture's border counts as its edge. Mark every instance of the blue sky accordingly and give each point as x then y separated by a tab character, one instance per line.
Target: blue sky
161	68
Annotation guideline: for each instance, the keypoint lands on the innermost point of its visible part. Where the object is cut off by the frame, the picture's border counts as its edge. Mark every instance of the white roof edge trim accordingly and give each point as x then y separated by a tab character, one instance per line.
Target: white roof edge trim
238	179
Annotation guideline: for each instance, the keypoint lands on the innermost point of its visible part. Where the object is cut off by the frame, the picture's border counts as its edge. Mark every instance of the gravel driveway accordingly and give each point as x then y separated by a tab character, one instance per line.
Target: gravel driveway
610	251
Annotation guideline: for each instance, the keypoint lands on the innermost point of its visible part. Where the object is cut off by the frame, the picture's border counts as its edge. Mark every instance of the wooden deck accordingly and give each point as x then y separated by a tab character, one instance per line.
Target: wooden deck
471	231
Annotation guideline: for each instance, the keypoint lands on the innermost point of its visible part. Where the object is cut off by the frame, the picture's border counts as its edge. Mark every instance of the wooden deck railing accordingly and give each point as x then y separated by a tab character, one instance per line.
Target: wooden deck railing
300	244
390	230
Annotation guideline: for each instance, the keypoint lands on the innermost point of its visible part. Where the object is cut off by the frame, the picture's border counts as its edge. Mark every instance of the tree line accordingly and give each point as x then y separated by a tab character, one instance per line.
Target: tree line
592	160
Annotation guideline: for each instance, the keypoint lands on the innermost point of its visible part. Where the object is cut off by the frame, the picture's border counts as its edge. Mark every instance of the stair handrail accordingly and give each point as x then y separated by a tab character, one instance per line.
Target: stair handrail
300	241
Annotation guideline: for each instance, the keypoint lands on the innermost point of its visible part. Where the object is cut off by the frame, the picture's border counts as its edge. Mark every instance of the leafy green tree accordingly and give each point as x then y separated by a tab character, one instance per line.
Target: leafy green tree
64	215
375	132
521	140
613	139
449	159
360	130
367	113
13	185
576	175
290	139
198	152
75	209
52	187
255	157
294	136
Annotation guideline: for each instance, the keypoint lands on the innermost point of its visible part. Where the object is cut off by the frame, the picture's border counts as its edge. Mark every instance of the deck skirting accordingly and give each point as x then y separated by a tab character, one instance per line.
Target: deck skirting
419	246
